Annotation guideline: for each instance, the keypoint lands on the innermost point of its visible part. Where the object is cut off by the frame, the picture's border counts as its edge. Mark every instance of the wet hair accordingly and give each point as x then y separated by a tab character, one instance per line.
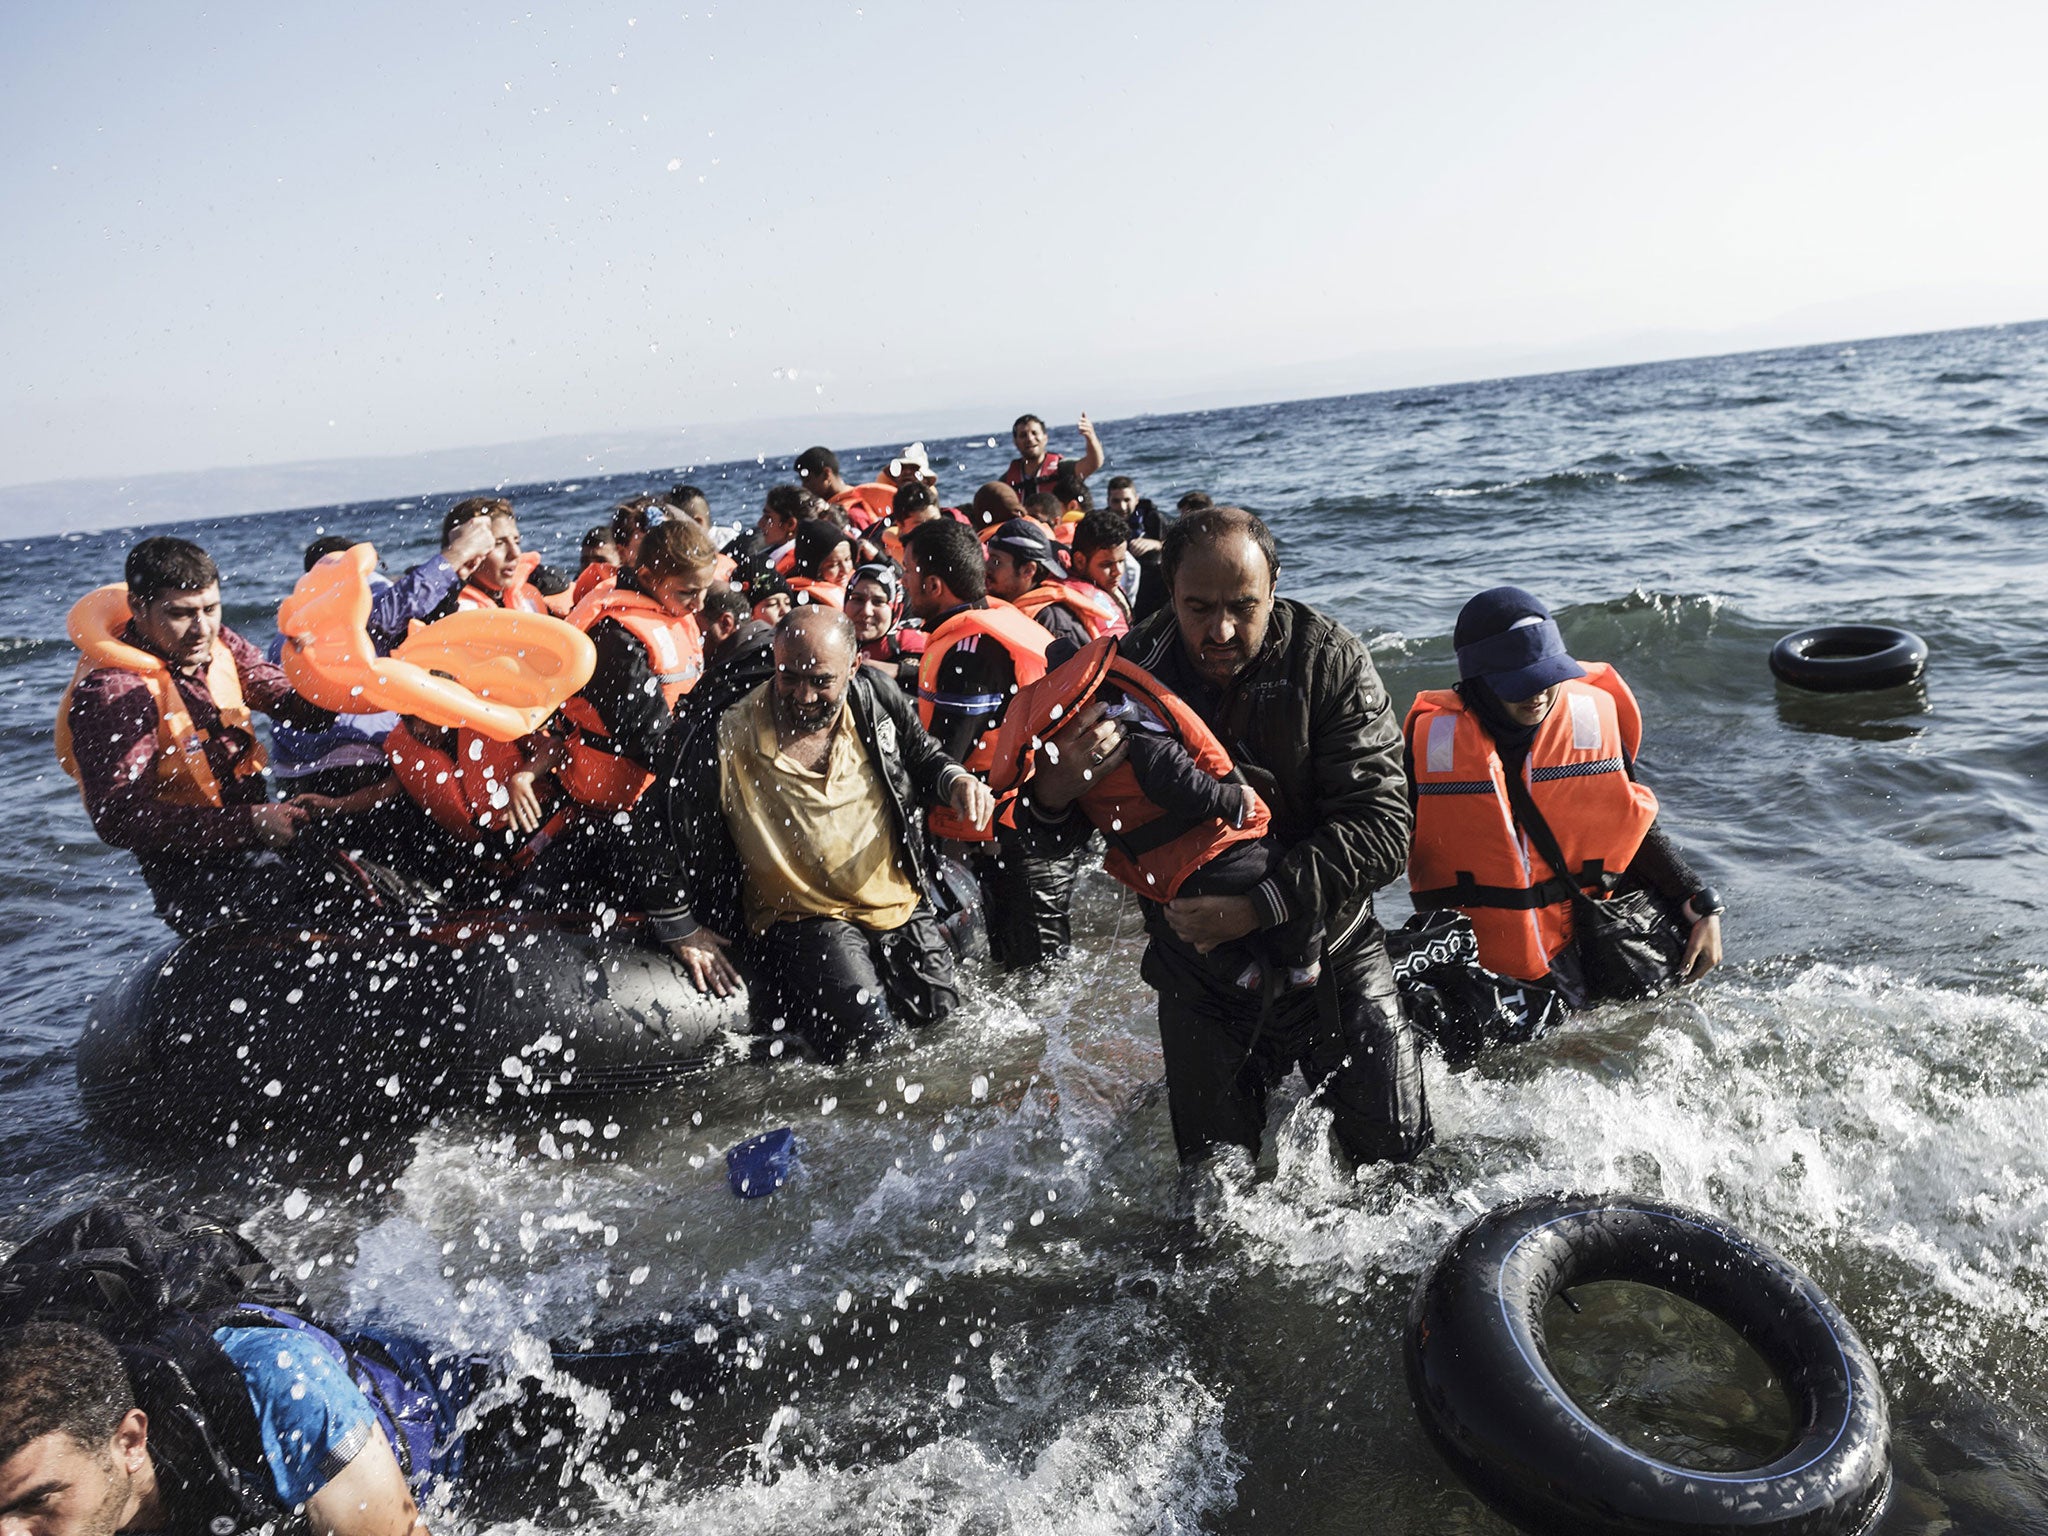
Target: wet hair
789	501
996	502
327	544
815	541
60	1378
675	548
1046	508
723	601
167	563
469	509
951	552
1070	485
1194	501
817	461
1208	527
817	621
1101	529
911	498
685	498
1121	483
1023	421
600	535
633	517
821	511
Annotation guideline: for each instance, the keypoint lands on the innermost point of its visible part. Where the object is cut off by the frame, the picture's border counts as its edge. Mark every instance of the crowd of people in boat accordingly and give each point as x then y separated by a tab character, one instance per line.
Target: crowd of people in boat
787	736
789	741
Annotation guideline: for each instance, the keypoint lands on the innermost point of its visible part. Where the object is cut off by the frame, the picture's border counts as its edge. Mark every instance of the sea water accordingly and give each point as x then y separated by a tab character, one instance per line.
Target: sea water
986	1304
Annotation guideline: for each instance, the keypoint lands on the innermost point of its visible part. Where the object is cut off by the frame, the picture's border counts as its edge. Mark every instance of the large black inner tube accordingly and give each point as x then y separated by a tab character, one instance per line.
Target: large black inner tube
1849	658
1504	1422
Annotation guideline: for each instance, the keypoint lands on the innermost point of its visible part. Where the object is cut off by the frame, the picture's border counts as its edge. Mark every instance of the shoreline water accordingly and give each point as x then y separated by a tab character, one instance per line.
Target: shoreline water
1862	1088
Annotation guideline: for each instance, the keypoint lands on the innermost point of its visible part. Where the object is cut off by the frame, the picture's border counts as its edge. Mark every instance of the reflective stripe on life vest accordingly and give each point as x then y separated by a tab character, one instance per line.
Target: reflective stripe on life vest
1470	854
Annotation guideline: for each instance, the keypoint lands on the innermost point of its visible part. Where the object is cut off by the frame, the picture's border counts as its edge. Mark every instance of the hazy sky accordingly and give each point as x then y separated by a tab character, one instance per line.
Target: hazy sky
255	233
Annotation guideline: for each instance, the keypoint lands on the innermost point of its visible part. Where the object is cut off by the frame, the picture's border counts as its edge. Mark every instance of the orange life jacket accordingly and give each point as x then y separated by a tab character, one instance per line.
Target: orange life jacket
1471	854
1026	641
466	791
1028	485
808	589
183	774
597	775
517	593
1099	612
1151	850
599	573
866	504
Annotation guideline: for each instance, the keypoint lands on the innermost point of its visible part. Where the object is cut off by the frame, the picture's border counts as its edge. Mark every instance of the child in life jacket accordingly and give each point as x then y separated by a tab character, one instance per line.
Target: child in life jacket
1177	817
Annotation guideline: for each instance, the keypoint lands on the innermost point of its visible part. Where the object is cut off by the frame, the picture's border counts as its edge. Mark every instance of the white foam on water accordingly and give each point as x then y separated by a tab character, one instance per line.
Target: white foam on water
1883	1133
1156	1464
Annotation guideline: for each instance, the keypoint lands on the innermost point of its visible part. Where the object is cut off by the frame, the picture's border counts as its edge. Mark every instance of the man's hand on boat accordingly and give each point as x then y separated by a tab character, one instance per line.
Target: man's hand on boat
1074	758
523	801
973	801
703	955
277	823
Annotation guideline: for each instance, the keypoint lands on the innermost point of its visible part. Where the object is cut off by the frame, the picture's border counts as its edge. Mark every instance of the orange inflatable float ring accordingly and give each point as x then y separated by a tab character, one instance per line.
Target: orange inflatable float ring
508	670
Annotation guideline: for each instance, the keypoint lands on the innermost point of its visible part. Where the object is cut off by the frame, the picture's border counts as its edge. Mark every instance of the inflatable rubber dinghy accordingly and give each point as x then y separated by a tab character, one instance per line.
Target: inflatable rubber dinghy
242	1030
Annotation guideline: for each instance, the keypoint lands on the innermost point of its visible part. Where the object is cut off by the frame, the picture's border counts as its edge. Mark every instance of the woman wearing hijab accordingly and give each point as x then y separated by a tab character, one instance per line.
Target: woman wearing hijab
824	562
874	601
1533	751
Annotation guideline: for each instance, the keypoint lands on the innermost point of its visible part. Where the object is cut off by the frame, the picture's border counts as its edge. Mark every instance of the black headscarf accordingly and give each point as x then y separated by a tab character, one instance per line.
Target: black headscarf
815	540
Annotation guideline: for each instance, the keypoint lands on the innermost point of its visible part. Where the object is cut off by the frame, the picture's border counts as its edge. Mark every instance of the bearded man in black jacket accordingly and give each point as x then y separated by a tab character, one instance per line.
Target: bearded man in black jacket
787	827
1296	701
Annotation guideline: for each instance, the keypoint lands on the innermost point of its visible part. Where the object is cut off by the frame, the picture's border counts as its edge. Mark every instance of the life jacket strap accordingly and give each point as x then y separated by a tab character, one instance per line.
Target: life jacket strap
1468	892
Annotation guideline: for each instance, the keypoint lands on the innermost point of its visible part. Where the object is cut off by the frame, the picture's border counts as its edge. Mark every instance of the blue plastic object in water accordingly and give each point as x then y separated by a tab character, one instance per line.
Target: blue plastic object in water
762	1164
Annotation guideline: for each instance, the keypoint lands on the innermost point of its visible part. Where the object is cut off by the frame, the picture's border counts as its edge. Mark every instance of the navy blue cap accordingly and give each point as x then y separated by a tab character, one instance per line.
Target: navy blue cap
1507	639
1026	540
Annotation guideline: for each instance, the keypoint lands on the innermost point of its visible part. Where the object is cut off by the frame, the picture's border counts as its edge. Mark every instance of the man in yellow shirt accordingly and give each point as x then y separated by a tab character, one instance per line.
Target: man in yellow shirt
794	817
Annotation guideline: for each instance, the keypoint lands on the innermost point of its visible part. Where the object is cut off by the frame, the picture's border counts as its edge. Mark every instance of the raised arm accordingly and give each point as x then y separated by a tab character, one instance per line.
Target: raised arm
1094	458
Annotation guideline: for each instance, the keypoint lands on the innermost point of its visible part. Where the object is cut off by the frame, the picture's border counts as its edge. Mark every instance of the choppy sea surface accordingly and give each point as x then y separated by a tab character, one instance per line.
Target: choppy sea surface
985	1306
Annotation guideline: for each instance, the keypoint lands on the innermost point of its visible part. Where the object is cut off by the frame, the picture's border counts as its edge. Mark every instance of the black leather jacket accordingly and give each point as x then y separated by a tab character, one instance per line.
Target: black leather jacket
688	871
1310	725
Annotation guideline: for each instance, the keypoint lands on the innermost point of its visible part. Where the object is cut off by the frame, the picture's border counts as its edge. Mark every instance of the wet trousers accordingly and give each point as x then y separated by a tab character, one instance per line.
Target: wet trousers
1226	1047
1027	900
843	988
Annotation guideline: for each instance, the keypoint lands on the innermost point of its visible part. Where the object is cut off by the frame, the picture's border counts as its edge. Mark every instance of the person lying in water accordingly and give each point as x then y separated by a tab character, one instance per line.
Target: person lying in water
760	838
123	1411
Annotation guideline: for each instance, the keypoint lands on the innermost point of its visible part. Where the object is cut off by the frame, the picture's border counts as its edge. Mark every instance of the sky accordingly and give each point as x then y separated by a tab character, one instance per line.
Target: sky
251	234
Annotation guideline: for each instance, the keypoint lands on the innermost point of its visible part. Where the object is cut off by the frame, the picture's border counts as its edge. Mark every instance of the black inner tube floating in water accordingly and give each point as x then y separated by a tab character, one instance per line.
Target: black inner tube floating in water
1489	1400
1849	658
